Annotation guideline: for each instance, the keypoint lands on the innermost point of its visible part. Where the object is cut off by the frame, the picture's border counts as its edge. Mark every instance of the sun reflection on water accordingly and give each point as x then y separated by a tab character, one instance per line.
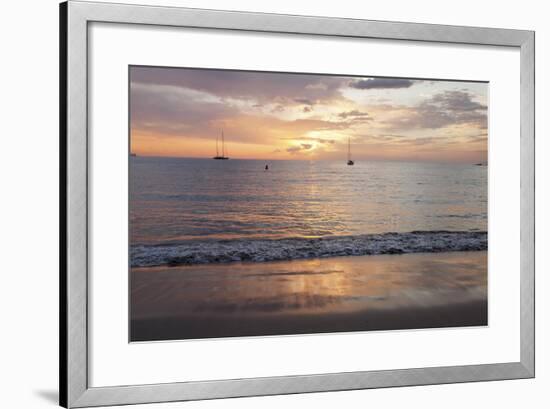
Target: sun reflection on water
315	286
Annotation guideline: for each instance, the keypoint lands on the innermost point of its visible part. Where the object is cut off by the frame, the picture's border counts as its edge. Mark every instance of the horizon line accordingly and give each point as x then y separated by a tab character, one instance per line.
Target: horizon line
484	162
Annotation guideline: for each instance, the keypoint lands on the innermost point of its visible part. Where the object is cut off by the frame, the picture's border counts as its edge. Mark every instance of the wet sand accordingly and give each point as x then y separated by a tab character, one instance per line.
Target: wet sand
411	291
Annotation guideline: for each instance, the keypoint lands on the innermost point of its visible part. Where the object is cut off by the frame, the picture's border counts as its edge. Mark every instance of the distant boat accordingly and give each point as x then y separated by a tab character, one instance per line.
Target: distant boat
222	156
133	154
350	162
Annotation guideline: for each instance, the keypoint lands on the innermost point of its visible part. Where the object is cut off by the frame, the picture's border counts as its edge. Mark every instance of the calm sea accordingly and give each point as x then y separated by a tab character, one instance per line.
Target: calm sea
192	211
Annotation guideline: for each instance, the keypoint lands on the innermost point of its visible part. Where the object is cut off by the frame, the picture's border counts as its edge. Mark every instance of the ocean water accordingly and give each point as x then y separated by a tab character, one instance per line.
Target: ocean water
196	211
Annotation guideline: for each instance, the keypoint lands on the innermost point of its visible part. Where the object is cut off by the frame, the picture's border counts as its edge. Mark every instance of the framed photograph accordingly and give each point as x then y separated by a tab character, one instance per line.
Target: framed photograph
257	204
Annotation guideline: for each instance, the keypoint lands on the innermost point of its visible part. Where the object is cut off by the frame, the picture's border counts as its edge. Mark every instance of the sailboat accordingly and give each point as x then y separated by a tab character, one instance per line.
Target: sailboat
222	157
350	162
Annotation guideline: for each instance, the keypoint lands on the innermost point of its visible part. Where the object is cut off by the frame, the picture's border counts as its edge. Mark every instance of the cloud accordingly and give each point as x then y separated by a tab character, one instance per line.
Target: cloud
482	137
171	110
428	140
317	125
295	89
309	138
166	111
304	101
381	83
355	115
448	108
386	137
457	100
302	147
281	115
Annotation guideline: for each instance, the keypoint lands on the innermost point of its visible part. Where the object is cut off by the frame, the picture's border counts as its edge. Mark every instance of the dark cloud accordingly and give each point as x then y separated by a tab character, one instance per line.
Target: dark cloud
299	148
304	101
444	109
354	114
381	83
456	101
155	109
260	87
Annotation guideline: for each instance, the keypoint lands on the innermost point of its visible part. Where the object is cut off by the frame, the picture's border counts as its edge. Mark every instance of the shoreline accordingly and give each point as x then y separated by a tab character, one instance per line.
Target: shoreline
471	314
339	294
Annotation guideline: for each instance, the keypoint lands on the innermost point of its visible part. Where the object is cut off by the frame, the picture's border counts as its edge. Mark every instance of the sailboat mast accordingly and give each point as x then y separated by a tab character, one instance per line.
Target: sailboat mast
349	149
217	150
223	145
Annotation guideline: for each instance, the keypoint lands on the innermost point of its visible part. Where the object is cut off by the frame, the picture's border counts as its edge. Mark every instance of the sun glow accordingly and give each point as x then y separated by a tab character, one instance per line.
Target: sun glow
290	116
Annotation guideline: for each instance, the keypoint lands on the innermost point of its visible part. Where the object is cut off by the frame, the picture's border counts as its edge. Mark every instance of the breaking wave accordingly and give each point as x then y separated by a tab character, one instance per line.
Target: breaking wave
261	250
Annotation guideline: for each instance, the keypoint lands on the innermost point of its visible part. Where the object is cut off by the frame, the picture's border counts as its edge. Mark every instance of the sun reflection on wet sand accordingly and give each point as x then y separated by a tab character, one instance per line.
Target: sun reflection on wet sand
317	295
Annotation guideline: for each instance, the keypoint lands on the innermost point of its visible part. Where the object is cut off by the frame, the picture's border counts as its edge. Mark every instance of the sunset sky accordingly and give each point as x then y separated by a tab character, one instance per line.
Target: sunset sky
180	112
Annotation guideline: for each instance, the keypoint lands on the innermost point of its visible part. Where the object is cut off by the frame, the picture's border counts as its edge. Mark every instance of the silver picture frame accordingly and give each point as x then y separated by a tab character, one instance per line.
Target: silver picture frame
75	16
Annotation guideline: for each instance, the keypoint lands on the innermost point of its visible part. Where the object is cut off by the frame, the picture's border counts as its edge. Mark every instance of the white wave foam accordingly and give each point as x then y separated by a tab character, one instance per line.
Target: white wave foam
259	250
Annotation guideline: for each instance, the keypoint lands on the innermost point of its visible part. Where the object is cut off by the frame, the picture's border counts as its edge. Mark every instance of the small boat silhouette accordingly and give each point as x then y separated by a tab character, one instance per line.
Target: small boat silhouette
222	157
350	162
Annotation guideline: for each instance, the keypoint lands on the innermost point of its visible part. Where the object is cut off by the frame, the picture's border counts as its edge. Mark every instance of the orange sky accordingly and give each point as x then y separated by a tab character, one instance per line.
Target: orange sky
180	112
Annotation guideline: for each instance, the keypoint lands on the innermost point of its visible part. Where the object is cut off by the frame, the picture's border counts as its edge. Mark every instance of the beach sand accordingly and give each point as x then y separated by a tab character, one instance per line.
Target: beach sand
362	293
